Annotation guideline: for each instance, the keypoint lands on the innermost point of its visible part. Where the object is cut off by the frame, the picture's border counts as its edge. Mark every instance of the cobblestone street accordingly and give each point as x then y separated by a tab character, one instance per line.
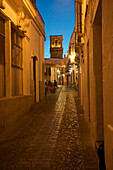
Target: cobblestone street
53	135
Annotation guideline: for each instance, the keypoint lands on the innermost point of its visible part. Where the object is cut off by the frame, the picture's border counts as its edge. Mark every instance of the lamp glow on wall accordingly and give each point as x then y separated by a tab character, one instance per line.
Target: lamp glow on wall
72	58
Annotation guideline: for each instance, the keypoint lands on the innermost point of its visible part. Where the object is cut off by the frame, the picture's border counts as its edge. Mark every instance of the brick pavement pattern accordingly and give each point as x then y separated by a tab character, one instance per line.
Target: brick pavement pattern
53	135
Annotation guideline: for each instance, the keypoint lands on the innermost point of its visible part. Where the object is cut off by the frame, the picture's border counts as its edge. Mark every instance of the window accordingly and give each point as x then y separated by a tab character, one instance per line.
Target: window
2	57
17	63
49	71
56	42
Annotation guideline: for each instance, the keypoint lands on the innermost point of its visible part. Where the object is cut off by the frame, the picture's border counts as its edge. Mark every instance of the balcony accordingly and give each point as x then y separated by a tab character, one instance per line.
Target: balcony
81	34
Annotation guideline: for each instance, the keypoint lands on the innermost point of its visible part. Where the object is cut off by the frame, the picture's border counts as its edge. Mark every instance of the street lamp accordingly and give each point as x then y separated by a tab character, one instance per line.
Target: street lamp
58	71
72	58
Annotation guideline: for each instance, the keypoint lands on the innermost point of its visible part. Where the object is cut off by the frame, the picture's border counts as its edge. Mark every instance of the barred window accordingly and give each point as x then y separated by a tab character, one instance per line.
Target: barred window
17	63
2	57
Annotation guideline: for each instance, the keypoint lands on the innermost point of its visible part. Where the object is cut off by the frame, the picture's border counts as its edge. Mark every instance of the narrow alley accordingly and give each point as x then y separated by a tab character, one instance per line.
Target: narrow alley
53	135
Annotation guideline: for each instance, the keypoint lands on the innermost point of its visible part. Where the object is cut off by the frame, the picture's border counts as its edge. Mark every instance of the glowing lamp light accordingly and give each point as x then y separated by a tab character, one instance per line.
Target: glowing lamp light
63	75
72	58
58	71
70	70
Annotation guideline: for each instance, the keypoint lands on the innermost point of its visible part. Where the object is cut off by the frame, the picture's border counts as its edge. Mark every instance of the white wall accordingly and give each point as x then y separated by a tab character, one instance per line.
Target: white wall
31	48
33	44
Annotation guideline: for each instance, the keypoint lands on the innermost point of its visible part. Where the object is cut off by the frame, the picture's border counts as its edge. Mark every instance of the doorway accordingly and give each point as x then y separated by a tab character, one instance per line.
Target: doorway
67	80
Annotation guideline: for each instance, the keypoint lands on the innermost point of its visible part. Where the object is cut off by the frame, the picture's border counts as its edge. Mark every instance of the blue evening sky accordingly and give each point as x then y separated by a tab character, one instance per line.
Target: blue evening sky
58	16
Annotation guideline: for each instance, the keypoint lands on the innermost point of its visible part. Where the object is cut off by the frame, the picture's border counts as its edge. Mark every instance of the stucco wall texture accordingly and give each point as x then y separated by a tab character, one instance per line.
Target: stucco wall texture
107	46
91	78
97	73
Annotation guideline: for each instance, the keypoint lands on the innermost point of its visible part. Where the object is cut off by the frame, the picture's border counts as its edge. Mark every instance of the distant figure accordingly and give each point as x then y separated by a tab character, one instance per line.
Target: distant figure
76	83
46	88
49	83
101	157
55	83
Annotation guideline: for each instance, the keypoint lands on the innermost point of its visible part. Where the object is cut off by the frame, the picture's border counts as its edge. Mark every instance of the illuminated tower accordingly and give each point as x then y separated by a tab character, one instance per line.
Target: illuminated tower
56	49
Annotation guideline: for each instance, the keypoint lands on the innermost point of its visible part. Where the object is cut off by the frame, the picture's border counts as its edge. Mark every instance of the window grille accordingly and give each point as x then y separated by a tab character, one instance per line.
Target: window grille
17	63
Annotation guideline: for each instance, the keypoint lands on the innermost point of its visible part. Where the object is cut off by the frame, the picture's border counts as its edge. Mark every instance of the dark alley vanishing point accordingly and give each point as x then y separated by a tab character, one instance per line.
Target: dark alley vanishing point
53	135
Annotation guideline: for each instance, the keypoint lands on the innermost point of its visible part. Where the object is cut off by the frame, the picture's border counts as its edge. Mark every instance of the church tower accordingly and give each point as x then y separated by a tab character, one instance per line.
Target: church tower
56	49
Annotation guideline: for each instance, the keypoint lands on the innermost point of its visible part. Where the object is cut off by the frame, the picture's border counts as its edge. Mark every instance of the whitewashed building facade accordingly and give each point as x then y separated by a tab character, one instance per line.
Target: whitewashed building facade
22	34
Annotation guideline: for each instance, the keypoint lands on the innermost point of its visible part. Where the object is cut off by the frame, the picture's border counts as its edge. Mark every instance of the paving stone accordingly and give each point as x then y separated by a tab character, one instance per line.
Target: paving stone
53	135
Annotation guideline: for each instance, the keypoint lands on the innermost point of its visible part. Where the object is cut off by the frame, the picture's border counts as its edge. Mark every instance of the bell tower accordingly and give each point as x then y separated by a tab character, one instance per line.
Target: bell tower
56	48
